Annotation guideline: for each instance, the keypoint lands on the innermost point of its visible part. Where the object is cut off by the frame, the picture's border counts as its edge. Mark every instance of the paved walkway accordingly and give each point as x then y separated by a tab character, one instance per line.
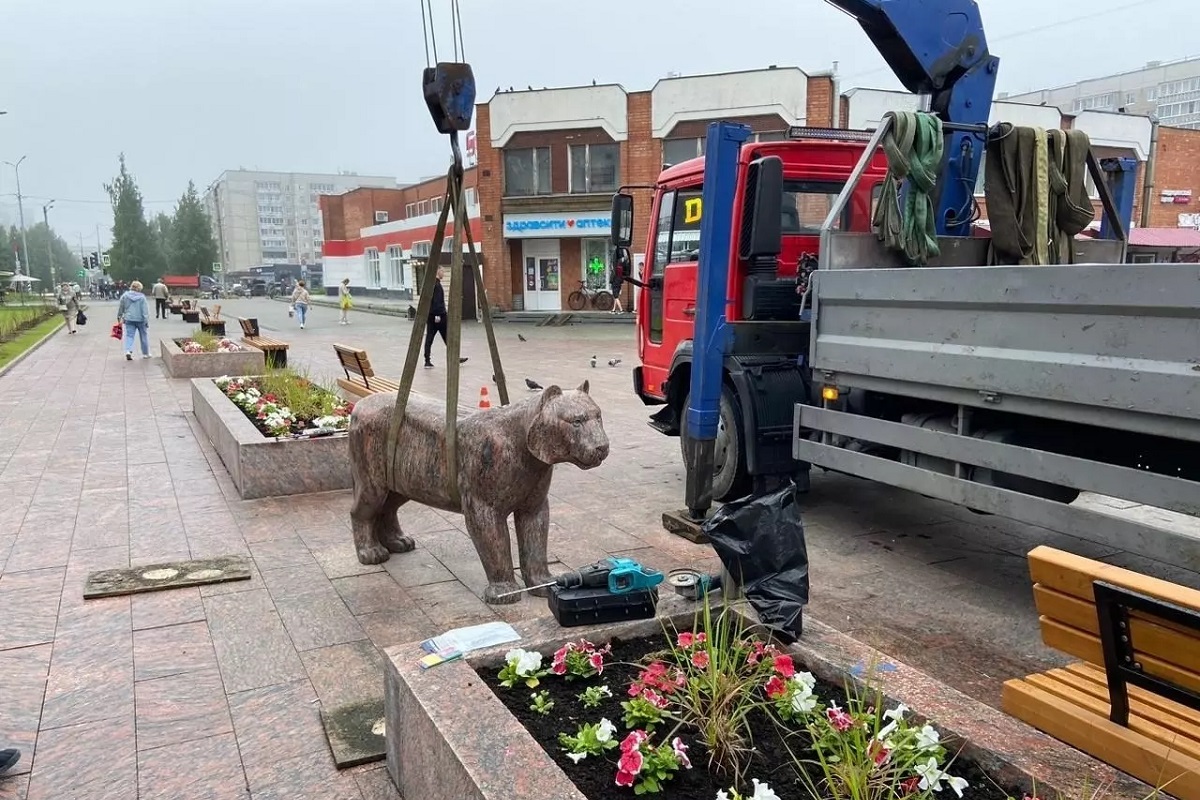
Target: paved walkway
215	692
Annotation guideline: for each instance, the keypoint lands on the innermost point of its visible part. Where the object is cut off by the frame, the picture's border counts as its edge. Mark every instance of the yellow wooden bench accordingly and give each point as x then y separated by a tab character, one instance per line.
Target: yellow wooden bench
361	380
212	322
1134	701
274	350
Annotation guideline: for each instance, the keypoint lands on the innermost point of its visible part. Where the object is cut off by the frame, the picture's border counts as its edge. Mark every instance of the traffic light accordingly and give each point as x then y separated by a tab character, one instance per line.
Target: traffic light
82	274
93	261
85	261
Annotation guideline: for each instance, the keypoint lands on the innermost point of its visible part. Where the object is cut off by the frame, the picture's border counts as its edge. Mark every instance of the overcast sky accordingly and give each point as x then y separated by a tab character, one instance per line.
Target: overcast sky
188	88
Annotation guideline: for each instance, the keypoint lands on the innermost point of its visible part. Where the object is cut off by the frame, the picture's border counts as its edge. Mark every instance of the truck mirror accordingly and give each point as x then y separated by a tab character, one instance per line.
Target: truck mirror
622	220
762	225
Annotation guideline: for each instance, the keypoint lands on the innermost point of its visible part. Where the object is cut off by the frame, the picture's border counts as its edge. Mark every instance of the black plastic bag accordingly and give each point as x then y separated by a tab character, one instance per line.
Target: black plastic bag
760	540
80	318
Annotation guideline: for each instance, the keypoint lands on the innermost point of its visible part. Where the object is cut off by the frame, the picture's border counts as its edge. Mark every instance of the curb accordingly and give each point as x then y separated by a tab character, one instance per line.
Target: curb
511	317
7	367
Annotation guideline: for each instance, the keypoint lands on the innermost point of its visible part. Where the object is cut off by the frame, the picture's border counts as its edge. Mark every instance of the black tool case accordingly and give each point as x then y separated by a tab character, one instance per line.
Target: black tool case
575	607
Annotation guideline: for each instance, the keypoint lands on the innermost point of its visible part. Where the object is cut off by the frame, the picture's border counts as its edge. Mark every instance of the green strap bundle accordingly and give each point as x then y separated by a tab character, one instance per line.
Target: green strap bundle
913	145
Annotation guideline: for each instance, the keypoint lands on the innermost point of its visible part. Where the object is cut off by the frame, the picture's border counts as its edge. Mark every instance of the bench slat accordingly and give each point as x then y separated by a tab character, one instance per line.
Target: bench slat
1074	575
1075	642
1174	727
1146	759
1160	639
1147	698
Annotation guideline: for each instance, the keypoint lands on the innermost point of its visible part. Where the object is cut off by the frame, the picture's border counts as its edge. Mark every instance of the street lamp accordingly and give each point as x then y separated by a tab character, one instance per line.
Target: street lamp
49	239
21	212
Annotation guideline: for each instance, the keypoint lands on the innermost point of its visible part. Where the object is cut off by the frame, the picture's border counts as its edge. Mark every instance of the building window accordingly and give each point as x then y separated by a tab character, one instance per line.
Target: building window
595	263
676	151
373	268
472	199
422	208
527	172
594	168
435	205
410	210
395	257
421	249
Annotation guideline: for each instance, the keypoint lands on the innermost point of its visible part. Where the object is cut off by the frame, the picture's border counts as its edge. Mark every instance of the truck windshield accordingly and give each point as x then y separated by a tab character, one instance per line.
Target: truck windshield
805	206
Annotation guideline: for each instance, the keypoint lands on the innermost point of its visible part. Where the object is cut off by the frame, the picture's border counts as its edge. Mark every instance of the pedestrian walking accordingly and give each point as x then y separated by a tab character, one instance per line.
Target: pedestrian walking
300	300
68	305
345	302
617	280
436	324
162	297
134	313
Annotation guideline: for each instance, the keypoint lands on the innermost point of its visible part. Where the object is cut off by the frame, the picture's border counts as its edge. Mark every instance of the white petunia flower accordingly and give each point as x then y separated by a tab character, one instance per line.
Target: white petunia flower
931	776
577	757
762	791
605	731
928	738
957	784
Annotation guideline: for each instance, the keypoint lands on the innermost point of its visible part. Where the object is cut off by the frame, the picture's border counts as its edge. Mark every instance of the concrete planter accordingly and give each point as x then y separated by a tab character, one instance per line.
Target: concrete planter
455	738
264	467
210	365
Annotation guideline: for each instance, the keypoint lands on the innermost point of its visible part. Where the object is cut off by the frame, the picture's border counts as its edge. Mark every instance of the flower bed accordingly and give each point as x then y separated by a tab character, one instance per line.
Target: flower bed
285	404
196	346
296	449
720	715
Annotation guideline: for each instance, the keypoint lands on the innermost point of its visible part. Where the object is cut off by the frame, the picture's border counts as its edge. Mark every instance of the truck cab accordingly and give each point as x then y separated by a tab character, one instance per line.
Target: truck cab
816	166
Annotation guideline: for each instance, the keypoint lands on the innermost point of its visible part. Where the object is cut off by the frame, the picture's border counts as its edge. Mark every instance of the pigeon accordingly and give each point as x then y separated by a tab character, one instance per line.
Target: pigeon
593	362
614	362
533	385
522	338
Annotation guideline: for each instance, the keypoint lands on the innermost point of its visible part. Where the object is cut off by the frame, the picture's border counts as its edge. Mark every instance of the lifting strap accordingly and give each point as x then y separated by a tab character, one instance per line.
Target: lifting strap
455	198
1037	200
913	145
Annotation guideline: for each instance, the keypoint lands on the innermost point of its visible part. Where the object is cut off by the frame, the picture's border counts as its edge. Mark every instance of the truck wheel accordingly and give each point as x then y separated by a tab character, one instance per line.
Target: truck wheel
730	479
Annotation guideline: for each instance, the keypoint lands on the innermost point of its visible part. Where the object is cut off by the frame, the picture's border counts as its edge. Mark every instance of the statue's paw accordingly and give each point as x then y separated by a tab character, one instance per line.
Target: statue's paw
492	594
399	543
373	554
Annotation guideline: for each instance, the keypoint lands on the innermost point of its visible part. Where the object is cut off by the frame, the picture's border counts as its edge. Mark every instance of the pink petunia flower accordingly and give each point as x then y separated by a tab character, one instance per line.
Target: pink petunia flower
681	752
784	665
624	778
776	687
631	762
596	662
839	719
685	639
700	659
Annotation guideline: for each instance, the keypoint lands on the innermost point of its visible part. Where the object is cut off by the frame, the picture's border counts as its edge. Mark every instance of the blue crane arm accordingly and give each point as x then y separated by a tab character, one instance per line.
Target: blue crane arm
938	48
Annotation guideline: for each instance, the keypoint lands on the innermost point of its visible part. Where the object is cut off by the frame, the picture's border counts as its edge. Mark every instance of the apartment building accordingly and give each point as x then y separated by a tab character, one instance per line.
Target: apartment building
274	217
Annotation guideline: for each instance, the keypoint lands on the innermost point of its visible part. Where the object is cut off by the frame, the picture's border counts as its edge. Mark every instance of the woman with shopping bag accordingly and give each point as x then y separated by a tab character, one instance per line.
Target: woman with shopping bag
68	305
345	302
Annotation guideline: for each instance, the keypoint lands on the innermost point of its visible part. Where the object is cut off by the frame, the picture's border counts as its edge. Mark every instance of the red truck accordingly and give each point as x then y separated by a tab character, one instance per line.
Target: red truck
754	436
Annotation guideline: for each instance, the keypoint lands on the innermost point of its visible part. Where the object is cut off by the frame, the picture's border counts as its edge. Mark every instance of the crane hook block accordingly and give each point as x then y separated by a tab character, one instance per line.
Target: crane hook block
450	95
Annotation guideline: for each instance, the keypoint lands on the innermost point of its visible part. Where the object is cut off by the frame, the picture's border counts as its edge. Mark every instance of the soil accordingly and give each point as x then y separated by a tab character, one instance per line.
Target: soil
771	761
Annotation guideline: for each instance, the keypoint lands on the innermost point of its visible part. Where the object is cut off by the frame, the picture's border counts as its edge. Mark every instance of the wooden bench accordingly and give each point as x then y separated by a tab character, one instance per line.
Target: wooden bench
361	380
212	322
1134	701
175	307
191	313
274	350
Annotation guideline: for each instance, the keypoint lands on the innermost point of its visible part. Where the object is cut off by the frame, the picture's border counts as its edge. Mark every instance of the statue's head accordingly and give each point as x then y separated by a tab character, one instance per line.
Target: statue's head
567	429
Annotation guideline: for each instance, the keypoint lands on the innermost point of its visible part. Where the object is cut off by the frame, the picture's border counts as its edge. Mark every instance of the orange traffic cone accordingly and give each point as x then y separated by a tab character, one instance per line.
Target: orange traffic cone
484	400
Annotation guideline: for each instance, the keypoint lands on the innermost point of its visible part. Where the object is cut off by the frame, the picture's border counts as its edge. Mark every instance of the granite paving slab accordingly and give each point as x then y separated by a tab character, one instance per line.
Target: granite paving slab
166	575
356	732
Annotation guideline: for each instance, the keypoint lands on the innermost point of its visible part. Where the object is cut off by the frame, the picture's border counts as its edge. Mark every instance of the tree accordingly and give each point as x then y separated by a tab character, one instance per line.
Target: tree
162	234
193	248
66	262
134	252
8	260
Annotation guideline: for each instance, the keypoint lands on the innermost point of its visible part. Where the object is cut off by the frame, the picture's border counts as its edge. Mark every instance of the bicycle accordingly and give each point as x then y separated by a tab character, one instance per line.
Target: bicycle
601	299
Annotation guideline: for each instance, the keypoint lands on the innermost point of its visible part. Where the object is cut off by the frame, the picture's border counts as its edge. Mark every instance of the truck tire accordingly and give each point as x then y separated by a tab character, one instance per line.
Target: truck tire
730	478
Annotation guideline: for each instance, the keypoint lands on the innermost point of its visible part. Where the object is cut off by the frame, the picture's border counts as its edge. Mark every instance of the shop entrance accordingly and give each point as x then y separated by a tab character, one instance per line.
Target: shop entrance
542	274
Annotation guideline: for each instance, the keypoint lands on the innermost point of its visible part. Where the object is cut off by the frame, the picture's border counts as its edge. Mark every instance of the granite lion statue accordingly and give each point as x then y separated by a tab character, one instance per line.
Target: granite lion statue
506	458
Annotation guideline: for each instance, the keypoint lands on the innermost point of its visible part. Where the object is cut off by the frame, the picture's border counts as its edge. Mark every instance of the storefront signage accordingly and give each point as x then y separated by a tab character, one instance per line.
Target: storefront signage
1179	197
1189	221
526	226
